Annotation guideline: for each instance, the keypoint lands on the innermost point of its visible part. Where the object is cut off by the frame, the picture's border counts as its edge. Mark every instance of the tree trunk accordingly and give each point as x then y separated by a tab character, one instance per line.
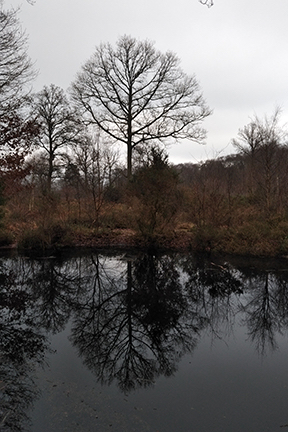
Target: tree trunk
129	161
129	137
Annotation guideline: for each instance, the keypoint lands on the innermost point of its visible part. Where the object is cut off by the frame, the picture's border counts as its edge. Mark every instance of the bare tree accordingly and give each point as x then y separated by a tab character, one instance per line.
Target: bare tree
94	161
263	141
59	126
16	70
248	142
137	95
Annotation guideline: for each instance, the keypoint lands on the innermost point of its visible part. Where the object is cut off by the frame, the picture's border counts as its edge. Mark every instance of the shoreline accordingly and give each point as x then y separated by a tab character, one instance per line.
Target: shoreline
128	239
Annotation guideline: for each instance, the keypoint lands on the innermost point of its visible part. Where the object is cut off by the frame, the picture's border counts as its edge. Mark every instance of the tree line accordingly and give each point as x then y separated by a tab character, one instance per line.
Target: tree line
61	161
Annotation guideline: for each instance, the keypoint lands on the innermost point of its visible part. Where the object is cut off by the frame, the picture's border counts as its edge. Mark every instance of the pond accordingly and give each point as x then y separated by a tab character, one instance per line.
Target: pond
143	342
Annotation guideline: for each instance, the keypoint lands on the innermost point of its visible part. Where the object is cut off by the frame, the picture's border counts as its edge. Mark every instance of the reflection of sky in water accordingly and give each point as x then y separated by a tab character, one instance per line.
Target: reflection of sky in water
235	388
73	400
222	386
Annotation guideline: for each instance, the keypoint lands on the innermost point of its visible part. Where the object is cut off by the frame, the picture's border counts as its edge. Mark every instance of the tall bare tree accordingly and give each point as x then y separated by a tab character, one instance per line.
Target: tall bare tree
137	95
59	126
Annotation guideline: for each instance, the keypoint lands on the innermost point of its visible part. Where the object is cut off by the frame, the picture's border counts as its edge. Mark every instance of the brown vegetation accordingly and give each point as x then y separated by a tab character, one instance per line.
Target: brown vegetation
204	207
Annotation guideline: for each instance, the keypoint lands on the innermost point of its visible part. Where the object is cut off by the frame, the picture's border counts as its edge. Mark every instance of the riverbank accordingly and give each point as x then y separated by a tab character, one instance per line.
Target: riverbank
200	240
250	240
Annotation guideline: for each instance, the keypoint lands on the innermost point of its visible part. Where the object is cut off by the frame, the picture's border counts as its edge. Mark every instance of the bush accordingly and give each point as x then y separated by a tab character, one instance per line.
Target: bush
32	239
39	239
155	189
6	238
117	216
205	238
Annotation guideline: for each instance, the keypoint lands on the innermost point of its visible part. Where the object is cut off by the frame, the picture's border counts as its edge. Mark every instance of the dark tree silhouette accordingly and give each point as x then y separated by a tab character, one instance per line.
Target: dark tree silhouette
59	126
137	95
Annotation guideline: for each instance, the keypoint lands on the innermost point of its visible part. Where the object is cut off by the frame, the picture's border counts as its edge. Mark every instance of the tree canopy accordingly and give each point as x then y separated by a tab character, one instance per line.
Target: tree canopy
138	96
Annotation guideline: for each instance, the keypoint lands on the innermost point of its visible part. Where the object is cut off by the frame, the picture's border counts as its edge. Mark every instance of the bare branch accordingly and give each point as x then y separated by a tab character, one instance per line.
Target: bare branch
16	72
59	126
137	95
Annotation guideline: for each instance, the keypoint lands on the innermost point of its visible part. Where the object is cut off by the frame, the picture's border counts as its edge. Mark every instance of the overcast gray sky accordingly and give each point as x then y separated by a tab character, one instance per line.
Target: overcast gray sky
237	49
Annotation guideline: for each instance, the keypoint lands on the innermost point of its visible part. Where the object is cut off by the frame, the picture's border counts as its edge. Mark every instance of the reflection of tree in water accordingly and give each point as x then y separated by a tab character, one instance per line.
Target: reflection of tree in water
54	284
134	326
261	315
34	295
214	291
266	309
161	308
21	347
264	303
281	296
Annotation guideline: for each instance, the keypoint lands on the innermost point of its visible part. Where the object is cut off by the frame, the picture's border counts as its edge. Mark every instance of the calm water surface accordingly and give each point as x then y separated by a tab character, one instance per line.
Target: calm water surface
139	342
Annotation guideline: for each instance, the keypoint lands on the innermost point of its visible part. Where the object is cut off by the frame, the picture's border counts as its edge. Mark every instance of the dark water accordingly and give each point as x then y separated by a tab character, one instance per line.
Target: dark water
120	342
